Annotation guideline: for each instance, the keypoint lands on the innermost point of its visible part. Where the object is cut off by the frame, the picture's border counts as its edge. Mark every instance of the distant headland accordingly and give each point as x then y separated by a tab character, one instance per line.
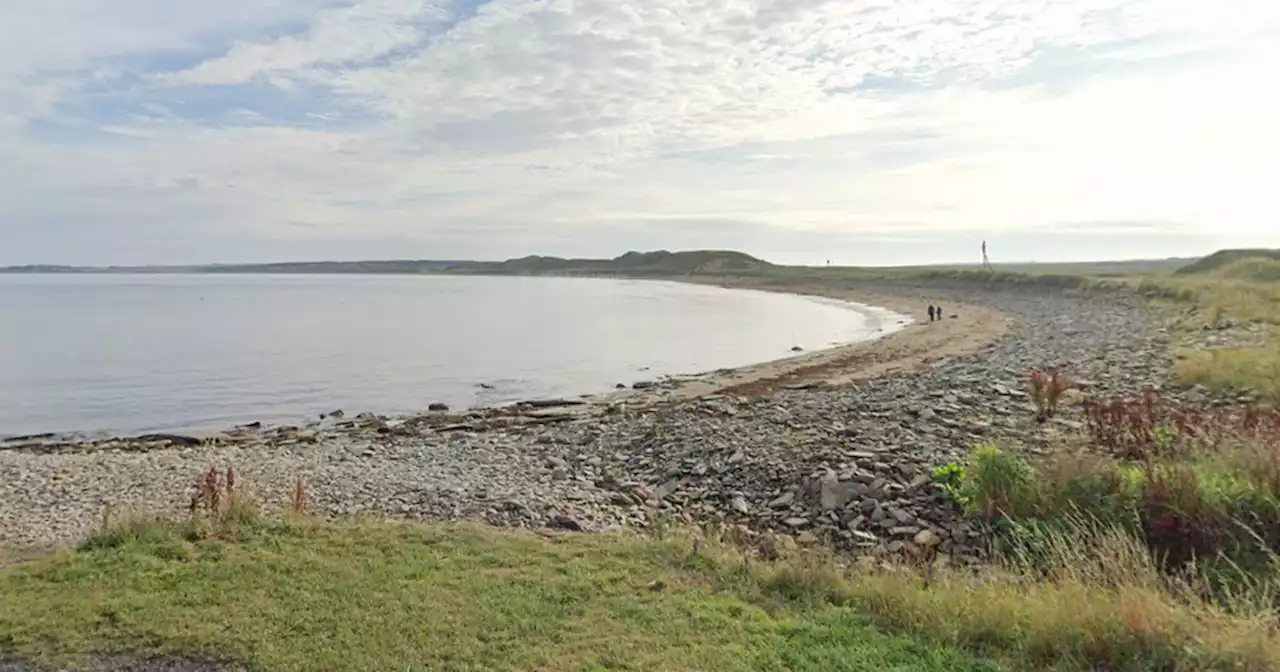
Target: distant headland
660	262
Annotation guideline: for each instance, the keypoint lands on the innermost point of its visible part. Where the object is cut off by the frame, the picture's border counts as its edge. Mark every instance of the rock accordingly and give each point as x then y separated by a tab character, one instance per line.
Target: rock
662	491
926	538
564	522
783	501
796	348
919	482
834	494
863	535
550	403
643	385
806	538
796	521
739	504
903	517
438	407
172	439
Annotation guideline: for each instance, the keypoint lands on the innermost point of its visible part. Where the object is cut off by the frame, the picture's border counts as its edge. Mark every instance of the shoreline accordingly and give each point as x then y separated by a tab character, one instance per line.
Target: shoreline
769	448
898	347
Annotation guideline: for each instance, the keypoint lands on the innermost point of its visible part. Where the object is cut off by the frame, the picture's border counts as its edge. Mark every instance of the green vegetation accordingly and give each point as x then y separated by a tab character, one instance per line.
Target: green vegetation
370	596
1200	489
1224	258
303	594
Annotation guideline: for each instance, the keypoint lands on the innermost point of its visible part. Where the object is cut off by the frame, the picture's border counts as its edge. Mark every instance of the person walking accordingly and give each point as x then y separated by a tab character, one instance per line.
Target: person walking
931	312
938	311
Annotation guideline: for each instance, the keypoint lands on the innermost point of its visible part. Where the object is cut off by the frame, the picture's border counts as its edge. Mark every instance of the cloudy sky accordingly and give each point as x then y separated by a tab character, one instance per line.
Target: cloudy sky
861	131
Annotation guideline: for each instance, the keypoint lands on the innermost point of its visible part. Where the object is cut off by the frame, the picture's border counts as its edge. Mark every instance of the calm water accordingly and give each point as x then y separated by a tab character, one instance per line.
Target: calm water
132	353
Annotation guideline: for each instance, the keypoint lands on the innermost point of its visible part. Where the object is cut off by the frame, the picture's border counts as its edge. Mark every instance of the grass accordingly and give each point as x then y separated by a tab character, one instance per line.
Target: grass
302	594
1252	370
228	584
375	596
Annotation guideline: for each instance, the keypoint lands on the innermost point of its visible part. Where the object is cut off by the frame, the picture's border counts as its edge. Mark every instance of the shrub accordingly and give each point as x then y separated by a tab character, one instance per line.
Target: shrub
998	484
950	479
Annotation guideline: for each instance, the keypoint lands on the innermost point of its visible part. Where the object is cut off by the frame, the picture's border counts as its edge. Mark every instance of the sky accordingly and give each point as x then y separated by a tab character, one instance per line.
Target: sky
869	132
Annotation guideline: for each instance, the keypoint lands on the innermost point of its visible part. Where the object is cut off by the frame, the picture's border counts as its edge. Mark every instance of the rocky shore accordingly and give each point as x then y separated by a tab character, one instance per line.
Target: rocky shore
848	465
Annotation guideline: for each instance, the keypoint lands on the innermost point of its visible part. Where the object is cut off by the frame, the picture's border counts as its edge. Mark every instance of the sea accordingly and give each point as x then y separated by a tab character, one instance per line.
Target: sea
121	354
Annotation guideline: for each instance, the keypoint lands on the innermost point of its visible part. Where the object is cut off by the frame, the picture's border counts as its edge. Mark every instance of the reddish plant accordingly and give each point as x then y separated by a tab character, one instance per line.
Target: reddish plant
1138	428
299	501
1046	390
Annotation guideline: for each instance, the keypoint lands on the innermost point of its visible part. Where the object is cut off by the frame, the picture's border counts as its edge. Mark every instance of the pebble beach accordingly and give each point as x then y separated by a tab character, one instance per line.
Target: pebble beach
834	447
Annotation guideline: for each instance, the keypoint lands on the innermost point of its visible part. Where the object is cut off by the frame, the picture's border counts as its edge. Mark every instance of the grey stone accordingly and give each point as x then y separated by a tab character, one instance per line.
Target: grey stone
783	501
927	538
834	494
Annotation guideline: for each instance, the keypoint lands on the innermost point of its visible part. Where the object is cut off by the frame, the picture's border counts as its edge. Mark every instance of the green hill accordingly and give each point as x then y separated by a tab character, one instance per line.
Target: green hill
659	263
1223	258
1254	269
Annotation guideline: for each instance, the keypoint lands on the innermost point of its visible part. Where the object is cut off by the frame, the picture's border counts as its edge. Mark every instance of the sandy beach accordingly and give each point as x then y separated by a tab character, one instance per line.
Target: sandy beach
965	329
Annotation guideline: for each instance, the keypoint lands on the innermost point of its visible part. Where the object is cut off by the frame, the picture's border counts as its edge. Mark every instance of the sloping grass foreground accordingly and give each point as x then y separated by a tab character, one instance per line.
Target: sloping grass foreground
368	595
378	596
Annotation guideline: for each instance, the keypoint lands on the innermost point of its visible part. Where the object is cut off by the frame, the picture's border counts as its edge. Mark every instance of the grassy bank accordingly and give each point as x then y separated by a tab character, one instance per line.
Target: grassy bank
228	585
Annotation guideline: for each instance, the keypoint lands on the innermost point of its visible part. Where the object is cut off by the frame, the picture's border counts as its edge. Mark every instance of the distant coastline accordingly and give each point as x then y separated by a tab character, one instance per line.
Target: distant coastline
659	263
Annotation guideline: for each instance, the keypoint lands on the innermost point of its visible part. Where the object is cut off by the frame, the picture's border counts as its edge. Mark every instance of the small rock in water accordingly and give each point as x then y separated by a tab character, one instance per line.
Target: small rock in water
796	348
438	407
172	439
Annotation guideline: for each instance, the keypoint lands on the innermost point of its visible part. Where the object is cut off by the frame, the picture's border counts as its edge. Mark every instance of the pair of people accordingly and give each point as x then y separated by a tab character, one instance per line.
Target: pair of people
935	312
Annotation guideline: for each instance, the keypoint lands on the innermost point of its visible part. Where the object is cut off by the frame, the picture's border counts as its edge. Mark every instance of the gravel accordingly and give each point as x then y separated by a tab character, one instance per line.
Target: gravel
846	466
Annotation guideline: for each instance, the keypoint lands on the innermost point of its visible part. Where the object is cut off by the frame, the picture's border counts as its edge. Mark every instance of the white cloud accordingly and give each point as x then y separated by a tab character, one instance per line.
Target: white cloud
541	119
